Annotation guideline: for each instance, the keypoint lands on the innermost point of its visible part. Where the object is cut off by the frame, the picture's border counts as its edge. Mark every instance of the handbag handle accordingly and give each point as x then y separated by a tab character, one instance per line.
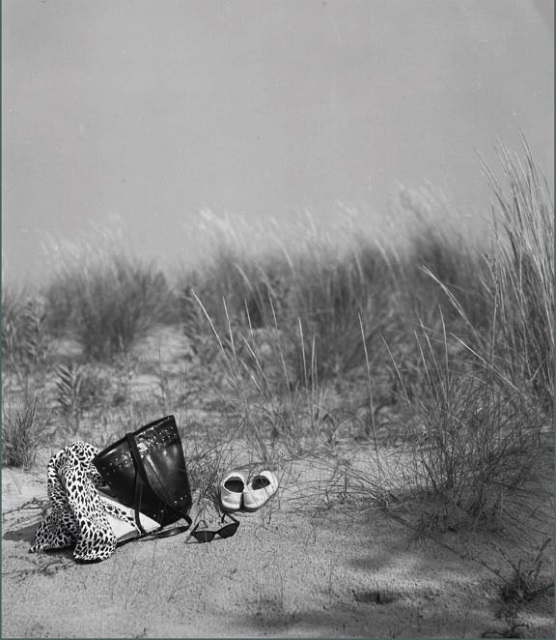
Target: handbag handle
140	479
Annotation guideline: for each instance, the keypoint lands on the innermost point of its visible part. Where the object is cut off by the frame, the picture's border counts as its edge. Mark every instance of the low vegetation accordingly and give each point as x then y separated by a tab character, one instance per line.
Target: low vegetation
21	433
440	343
106	300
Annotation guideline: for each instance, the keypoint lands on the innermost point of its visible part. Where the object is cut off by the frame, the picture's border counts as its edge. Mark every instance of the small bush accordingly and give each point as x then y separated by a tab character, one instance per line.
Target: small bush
479	386
526	581
473	436
107	301
23	331
69	379
20	435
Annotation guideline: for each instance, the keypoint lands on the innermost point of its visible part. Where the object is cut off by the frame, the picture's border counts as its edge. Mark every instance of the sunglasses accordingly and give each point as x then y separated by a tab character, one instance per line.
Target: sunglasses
226	531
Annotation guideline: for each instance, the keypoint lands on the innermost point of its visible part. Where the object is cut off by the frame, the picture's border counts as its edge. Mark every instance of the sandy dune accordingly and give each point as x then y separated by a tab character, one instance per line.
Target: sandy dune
294	569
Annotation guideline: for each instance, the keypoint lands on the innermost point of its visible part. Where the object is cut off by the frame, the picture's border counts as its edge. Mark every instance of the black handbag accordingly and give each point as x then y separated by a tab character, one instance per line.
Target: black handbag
146	470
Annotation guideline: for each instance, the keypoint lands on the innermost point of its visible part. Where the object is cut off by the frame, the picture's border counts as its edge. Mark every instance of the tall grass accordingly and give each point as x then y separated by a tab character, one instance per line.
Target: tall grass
106	299
465	330
24	339
21	433
474	437
333	289
310	294
320	284
522	275
517	340
485	407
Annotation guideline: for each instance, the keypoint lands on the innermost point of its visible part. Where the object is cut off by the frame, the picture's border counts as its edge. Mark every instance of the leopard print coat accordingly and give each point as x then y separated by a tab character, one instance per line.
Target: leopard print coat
78	514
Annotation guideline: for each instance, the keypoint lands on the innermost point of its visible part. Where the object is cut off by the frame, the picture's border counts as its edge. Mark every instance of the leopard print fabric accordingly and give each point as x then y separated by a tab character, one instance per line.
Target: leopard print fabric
78	514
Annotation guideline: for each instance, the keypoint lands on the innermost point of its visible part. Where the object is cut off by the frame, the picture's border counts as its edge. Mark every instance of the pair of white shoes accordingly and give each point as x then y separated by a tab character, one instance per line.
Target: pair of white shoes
237	493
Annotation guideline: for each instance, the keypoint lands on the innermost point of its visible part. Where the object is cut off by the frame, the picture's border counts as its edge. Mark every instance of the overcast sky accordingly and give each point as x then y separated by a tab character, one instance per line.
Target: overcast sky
136	114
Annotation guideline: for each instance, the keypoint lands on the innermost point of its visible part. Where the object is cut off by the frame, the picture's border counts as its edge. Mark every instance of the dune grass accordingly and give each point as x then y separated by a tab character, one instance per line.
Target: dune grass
21	433
473	437
465	332
521	274
105	299
343	338
23	330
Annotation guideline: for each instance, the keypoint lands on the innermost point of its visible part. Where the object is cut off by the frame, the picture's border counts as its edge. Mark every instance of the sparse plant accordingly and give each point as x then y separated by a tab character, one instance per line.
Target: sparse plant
100	387
273	411
468	440
21	434
522	275
479	390
69	397
23	331
526	581
206	463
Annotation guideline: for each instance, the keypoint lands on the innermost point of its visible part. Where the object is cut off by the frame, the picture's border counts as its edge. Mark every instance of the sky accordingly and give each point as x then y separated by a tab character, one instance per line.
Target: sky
137	115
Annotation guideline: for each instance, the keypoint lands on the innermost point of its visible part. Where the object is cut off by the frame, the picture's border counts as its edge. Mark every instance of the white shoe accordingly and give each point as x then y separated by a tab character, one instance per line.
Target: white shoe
261	488
231	490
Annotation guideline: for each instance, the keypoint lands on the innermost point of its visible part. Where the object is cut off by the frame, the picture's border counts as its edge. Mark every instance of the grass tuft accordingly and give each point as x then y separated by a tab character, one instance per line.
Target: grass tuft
21	434
473	438
107	300
521	272
23	331
526	581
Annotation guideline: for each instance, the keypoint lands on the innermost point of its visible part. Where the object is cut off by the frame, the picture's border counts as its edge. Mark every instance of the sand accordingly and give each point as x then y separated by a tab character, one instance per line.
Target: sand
301	566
